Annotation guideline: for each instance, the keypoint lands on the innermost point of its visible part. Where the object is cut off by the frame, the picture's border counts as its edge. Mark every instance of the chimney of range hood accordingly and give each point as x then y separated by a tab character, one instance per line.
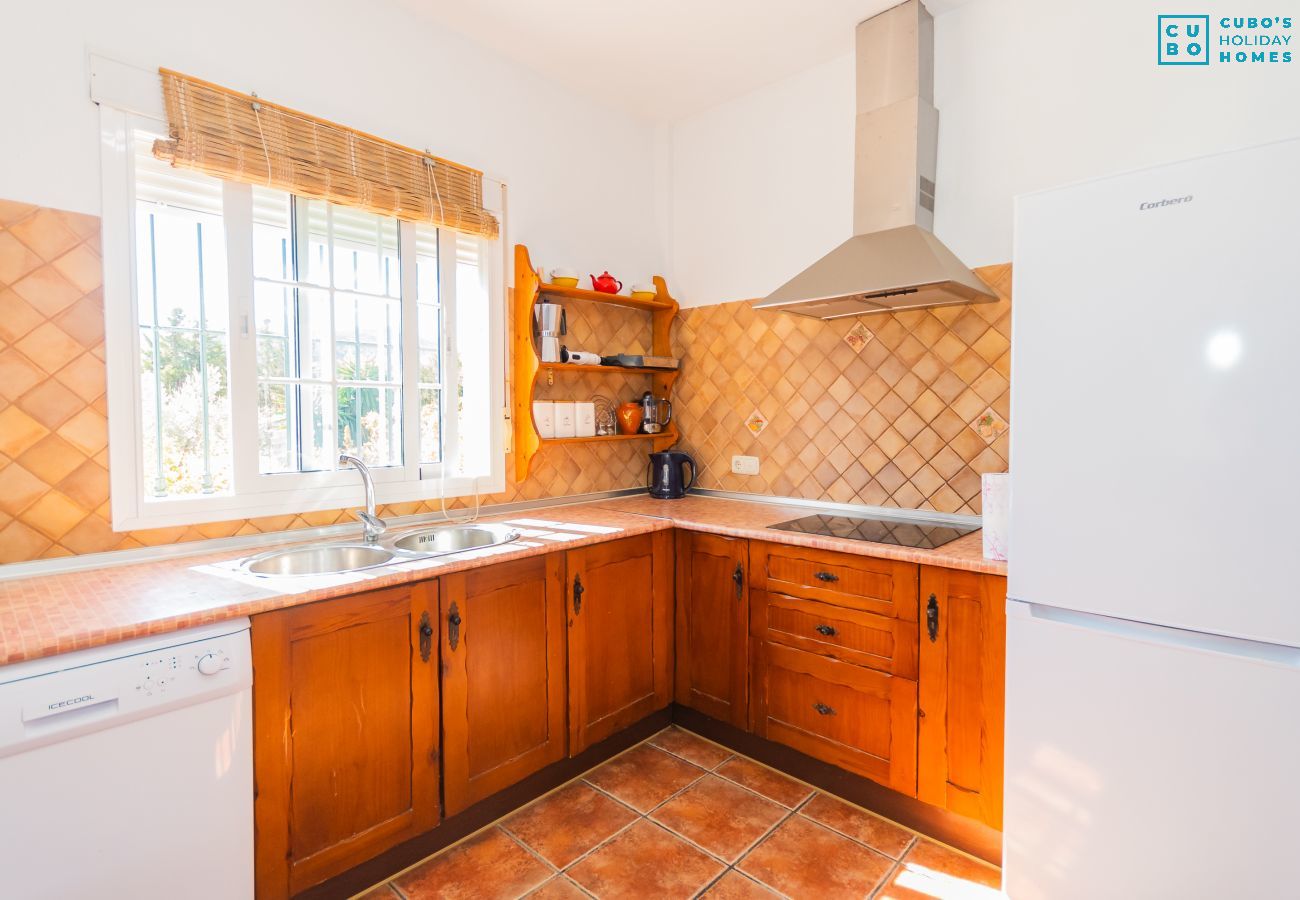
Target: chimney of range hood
893	261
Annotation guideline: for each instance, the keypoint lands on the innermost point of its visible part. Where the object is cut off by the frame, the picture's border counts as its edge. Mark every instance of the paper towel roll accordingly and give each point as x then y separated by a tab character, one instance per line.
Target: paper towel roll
995	500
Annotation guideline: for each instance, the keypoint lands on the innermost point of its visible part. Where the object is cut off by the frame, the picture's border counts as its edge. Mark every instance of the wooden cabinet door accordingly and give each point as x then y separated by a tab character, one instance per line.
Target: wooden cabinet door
503	678
620	612
713	625
962	676
345	735
850	716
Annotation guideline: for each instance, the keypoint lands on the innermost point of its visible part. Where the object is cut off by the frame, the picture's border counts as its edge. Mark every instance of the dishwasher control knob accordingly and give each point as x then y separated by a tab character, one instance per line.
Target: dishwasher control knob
210	664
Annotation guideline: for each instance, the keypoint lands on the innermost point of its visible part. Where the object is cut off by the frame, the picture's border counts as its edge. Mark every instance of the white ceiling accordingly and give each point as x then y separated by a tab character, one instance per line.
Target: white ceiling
666	59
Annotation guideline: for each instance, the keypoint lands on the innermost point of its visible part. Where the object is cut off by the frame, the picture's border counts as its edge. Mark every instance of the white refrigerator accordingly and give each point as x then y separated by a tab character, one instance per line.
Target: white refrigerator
1153	630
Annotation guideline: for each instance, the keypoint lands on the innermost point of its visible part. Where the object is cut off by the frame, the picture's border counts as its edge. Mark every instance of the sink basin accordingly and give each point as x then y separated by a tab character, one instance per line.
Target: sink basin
319	559
453	539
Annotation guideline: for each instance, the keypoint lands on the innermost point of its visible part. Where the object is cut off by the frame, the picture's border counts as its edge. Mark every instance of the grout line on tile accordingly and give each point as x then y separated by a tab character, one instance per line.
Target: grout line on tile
555	870
889	876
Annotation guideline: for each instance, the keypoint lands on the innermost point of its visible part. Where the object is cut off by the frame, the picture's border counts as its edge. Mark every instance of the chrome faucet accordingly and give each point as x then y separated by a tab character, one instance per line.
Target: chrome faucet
370	523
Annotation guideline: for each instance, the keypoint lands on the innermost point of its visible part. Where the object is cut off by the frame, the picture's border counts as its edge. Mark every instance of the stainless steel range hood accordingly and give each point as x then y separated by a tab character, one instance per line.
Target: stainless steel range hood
893	261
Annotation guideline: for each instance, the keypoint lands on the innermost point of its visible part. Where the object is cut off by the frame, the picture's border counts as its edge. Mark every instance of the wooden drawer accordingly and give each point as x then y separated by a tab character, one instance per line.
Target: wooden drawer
853	717
881	586
850	635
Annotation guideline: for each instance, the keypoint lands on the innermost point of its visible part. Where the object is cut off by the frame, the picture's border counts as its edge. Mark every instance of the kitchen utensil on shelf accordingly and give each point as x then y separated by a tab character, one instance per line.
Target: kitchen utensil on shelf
604	415
629	417
579	357
562	277
666	474
640	361
544	418
550	323
643	292
656	412
606	283
566	425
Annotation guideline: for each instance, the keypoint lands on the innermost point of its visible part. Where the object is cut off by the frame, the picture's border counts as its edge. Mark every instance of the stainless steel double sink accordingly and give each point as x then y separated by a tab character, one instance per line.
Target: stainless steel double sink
338	557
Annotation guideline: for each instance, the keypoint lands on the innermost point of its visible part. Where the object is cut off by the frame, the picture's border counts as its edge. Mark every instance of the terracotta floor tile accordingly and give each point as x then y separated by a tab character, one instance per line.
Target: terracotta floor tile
734	886
568	823
877	833
558	888
644	777
645	861
803	859
690	747
763	780
379	892
930	870
719	816
485	867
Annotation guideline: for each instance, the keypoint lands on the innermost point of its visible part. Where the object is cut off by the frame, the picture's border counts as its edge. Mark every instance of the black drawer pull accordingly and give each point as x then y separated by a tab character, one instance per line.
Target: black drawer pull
828	630
827	576
932	618
823	709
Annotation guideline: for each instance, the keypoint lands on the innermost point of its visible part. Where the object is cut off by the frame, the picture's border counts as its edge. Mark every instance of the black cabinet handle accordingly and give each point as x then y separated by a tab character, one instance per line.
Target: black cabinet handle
453	627
577	594
828	630
827	576
426	636
738	577
932	618
823	709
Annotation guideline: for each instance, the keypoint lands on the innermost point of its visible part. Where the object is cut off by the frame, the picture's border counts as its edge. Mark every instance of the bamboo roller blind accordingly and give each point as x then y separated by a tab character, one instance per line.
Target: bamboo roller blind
243	138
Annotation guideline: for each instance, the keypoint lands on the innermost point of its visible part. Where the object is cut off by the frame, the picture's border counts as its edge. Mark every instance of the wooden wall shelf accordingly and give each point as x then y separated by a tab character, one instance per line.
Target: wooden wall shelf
528	366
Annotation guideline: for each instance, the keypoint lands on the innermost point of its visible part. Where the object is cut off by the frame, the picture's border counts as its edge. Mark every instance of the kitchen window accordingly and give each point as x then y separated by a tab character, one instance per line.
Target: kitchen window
255	335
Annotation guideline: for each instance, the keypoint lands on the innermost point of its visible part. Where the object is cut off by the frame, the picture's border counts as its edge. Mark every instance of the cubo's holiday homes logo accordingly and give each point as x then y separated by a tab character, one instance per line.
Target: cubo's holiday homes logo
1186	40
1182	40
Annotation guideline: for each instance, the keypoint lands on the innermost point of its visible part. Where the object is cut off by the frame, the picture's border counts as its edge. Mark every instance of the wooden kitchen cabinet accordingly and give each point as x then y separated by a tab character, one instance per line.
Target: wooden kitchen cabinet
503	675
620	614
962	677
345	733
712	667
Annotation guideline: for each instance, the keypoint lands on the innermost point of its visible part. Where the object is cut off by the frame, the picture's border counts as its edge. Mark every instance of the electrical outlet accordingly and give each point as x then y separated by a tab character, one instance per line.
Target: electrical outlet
744	465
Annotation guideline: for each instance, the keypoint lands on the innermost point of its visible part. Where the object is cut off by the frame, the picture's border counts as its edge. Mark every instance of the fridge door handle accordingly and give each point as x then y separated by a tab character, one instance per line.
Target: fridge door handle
1242	648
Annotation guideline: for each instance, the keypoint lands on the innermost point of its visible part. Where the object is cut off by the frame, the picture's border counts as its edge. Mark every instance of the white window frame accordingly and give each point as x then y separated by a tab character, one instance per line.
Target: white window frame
255	494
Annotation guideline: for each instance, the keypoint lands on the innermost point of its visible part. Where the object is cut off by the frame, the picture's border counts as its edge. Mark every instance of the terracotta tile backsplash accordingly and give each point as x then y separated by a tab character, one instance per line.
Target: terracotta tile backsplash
905	409
897	410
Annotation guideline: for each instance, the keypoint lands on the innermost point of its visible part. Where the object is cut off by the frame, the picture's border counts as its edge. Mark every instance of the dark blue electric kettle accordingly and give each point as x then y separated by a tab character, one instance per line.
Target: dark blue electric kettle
666	474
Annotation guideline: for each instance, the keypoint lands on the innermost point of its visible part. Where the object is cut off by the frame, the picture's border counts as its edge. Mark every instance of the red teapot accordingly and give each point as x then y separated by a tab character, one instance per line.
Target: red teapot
606	283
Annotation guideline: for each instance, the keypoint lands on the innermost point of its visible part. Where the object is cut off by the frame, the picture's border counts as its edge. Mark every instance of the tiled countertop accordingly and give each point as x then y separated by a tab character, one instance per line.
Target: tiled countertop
50	614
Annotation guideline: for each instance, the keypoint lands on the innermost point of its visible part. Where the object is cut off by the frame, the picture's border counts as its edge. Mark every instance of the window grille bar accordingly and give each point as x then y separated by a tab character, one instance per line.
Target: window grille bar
160	483
203	366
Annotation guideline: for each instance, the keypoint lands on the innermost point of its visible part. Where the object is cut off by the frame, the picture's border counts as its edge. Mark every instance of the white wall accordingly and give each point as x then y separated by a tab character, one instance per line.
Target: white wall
762	186
581	176
1030	94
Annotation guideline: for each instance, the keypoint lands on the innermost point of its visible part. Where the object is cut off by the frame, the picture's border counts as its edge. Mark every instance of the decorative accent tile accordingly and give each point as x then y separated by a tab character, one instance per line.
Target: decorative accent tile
756	423
990	425
858	337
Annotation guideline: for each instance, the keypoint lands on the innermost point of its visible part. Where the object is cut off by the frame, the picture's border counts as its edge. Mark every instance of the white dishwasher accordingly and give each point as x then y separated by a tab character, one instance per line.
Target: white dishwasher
127	770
